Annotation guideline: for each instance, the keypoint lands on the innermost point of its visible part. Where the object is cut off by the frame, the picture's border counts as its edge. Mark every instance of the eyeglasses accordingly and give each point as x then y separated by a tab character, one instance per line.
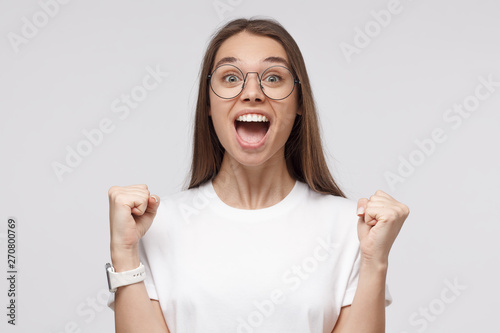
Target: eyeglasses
227	81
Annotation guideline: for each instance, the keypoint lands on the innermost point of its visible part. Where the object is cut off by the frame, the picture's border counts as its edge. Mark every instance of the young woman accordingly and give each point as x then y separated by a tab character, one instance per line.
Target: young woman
263	240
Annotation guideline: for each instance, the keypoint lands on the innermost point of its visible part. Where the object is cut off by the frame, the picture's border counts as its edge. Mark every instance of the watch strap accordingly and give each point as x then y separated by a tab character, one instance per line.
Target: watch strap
119	279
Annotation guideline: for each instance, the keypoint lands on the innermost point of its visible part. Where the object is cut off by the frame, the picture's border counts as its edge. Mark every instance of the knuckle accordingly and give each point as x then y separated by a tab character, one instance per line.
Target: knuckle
399	212
406	210
120	198
111	190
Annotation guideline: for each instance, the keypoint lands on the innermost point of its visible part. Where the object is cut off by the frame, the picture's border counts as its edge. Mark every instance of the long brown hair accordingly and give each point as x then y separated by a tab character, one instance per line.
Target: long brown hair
303	150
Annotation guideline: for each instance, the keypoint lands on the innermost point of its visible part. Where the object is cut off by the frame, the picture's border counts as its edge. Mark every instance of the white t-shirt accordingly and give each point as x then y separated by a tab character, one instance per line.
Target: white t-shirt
285	268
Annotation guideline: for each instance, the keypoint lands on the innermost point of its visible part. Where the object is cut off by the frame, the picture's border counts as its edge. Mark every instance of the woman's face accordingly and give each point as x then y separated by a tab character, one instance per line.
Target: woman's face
254	141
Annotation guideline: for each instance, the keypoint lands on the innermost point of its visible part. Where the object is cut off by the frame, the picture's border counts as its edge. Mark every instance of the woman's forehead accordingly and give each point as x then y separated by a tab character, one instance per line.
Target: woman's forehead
249	49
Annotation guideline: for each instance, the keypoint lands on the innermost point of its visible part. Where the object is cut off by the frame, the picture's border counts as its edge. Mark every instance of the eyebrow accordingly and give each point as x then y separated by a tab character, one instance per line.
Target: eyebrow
230	60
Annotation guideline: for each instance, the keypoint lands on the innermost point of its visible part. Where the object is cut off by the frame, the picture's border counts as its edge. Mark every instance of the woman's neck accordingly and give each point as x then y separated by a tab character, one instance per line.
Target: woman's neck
253	187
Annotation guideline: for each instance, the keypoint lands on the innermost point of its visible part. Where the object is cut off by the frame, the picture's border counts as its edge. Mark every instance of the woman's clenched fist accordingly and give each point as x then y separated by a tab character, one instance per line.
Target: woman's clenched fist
131	213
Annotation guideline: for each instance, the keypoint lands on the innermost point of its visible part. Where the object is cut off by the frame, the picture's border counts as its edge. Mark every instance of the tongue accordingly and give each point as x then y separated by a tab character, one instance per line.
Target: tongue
251	132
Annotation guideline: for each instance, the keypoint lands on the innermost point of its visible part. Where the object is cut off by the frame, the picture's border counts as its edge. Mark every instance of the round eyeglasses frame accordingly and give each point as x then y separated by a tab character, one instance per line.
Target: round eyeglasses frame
295	81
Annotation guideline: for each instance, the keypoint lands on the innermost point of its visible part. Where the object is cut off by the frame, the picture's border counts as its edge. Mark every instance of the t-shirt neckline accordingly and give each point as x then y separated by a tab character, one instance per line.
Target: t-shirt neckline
289	201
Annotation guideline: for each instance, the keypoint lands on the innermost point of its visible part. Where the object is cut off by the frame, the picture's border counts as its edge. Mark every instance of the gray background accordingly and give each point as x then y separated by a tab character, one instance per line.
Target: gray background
373	105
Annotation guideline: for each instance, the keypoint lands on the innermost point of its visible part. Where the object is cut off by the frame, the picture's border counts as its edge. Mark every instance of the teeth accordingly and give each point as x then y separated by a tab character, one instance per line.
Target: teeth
251	117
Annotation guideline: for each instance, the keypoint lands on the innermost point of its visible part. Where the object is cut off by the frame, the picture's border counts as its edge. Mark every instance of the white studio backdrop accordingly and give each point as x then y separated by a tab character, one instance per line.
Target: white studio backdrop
408	94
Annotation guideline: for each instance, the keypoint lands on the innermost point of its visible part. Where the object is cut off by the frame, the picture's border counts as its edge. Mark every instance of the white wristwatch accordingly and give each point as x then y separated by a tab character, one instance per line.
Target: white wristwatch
125	278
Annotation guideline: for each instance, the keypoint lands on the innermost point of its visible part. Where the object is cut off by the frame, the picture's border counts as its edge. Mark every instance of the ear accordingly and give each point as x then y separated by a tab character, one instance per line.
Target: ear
299	111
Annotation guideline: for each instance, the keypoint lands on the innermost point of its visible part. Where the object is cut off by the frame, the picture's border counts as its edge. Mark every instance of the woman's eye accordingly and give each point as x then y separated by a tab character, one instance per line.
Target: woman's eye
231	78
273	78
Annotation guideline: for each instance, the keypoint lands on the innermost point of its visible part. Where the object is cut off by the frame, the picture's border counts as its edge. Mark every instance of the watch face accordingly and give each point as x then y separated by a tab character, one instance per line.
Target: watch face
108	267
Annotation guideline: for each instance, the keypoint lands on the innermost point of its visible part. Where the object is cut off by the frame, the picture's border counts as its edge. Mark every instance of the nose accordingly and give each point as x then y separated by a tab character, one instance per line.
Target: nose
251	88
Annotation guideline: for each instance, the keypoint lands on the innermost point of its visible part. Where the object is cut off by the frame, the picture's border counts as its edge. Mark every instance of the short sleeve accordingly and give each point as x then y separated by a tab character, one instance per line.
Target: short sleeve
148	282
353	284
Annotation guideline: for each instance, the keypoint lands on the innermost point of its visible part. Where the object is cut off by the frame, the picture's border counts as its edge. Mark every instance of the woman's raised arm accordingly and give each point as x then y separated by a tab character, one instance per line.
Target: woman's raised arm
132	210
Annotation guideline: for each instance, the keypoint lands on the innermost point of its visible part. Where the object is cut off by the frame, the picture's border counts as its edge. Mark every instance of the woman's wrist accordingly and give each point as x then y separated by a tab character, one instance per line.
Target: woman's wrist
124	259
377	266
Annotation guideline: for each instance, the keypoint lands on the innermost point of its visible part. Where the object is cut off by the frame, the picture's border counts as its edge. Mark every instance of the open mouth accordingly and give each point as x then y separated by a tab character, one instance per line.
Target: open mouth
251	128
